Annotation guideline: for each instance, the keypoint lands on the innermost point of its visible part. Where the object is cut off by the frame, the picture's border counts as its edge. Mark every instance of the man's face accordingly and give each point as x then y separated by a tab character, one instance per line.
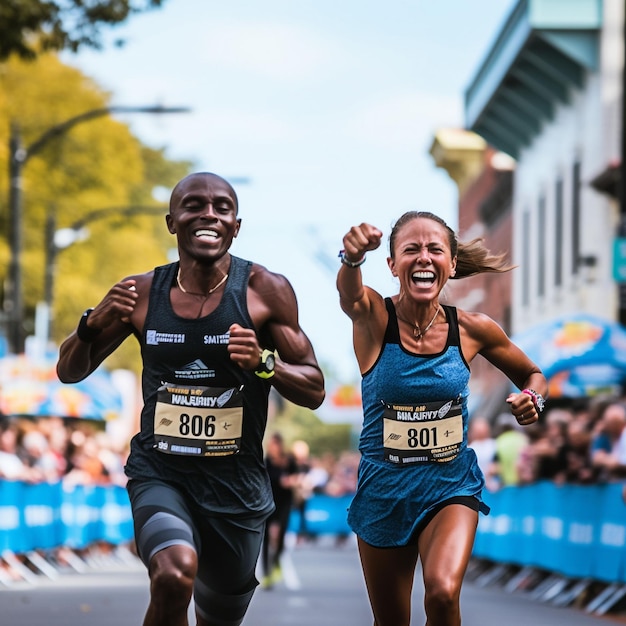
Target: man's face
203	216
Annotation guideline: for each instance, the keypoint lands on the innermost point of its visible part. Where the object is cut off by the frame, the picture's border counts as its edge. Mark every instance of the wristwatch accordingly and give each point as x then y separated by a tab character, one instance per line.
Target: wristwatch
538	400
84	332
266	365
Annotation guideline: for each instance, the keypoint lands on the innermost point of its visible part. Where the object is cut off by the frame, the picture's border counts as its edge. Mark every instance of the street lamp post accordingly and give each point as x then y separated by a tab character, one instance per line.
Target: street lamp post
18	157
62	238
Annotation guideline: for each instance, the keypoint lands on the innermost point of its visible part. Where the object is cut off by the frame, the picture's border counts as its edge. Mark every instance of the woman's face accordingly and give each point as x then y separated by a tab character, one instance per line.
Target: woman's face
422	260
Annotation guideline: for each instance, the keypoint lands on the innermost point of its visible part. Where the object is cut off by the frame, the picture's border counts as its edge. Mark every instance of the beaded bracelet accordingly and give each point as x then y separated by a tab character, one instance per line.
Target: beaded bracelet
537	399
346	261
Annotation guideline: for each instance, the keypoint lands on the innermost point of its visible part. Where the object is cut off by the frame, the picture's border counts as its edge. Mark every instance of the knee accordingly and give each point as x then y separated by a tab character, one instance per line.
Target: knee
172	576
441	595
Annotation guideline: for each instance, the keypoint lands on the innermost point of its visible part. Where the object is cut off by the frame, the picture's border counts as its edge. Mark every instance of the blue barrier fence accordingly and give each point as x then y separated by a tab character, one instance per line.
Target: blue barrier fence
576	531
324	515
50	515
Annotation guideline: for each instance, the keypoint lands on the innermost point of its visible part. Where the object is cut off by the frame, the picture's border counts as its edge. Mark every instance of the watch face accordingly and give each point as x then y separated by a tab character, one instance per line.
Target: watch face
270	363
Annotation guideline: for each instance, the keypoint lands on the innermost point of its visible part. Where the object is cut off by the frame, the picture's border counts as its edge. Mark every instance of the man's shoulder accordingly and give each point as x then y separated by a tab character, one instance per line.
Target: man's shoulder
261	276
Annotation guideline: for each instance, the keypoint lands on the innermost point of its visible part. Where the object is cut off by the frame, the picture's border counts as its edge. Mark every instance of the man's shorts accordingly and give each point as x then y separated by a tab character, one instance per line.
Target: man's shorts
227	547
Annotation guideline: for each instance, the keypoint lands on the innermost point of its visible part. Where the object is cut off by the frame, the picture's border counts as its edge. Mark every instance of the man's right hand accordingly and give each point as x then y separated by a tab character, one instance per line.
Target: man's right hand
117	305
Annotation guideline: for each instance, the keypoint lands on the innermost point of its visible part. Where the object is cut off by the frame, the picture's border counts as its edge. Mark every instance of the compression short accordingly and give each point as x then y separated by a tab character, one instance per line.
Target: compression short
227	548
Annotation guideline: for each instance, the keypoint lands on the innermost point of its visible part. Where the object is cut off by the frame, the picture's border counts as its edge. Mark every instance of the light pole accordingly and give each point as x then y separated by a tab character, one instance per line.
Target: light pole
18	157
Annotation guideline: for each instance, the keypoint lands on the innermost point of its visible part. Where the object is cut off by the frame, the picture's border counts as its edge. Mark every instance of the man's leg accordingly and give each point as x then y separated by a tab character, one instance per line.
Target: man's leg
226	578
167	544
172	573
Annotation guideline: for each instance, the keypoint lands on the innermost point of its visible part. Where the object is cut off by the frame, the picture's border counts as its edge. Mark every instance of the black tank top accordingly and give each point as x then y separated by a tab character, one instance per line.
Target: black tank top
187	352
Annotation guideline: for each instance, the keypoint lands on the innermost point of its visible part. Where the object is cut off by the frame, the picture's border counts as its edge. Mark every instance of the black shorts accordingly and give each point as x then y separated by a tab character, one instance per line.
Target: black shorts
468	501
227	547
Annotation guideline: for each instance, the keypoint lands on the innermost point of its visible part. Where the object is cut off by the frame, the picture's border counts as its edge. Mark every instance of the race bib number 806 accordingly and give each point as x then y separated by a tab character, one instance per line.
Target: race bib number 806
198	421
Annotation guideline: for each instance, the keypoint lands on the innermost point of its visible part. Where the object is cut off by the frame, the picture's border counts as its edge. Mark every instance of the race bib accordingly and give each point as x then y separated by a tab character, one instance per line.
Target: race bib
424	433
198	421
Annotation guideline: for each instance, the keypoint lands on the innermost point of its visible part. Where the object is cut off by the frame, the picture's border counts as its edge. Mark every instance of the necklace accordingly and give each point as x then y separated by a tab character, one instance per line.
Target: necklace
418	333
208	293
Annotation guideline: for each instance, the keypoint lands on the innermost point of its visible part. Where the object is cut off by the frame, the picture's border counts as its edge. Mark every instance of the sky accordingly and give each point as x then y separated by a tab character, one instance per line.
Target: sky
322	112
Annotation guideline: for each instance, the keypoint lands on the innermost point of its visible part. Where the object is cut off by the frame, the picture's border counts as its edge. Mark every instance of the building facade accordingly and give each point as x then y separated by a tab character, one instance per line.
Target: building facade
549	94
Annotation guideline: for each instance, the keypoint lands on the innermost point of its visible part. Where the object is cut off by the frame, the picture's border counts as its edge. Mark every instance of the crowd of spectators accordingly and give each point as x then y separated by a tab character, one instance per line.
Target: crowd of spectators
581	443
51	449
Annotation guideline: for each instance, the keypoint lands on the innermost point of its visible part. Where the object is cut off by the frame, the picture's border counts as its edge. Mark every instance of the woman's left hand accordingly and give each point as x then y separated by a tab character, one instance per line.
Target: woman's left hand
523	408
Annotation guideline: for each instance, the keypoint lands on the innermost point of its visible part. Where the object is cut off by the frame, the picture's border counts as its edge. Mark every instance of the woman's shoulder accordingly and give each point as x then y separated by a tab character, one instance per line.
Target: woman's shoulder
475	321
480	327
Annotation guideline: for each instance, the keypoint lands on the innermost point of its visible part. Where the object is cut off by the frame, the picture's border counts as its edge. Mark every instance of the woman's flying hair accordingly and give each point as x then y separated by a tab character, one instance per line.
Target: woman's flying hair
472	257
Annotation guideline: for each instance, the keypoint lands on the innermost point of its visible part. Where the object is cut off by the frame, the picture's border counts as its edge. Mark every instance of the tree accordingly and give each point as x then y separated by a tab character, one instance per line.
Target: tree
95	165
28	26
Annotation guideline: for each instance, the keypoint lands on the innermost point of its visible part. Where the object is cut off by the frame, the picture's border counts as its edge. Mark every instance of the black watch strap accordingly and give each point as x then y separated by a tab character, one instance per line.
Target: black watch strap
84	332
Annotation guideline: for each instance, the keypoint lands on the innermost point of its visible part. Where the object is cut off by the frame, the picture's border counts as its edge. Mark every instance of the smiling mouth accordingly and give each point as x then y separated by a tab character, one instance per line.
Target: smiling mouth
207	234
423	278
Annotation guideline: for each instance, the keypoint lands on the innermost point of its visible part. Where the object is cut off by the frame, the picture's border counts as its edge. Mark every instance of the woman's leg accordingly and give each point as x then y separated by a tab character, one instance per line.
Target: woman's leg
389	576
445	547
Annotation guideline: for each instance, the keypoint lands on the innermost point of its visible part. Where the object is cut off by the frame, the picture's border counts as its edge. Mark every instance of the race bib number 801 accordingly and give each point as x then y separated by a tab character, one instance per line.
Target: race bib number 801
198	421
429	432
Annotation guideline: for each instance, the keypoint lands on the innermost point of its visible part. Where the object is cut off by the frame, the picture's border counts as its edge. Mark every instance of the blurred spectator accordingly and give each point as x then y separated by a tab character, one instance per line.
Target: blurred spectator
319	474
480	439
57	436
303	489
35	453
283	474
578	466
608	446
86	468
11	465
544	456
343	477
112	459
510	441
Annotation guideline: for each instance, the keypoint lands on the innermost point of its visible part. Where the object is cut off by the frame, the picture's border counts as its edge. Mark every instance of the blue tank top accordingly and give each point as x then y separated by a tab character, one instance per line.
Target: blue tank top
414	437
192	354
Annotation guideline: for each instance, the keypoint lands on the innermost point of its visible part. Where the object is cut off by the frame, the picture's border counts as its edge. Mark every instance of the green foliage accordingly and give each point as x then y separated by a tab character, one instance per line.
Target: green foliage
95	168
295	422
28	26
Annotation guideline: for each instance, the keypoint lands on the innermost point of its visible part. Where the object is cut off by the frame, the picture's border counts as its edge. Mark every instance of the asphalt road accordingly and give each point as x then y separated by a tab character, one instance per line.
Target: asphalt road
322	585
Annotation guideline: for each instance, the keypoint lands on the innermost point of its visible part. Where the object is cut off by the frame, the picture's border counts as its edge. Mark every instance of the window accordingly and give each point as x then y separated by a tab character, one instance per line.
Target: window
558	233
525	258
541	247
575	216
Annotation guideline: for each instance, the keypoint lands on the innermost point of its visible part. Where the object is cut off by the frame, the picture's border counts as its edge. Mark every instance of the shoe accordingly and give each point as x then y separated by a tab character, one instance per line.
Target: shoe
277	574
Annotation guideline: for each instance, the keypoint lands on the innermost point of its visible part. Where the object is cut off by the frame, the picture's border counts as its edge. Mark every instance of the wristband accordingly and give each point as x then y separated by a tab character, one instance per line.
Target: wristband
537	398
346	261
84	332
